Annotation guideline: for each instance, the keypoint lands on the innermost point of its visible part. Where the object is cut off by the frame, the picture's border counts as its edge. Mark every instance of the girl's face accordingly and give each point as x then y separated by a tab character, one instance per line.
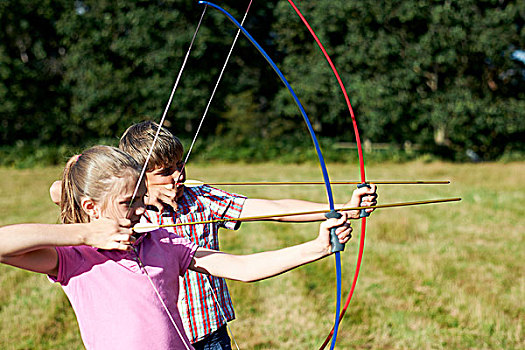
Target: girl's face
117	204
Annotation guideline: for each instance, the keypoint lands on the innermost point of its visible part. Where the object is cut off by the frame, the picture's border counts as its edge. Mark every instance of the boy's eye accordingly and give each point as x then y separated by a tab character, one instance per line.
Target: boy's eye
168	171
165	171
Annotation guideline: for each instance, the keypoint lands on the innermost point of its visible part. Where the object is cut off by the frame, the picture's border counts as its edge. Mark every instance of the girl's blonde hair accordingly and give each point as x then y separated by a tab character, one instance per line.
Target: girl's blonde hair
92	174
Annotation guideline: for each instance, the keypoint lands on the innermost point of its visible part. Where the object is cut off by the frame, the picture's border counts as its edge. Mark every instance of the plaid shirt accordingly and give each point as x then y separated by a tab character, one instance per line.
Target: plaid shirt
197	306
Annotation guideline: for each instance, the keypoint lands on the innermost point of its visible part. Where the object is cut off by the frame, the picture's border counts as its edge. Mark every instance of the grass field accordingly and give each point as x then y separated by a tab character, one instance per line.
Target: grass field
444	276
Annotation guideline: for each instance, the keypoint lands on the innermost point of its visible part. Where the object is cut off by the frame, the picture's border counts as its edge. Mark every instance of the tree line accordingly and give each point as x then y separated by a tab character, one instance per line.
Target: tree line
447	76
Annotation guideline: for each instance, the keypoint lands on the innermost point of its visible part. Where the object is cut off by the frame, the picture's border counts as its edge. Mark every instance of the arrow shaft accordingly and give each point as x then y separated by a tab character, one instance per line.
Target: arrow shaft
263	217
286	183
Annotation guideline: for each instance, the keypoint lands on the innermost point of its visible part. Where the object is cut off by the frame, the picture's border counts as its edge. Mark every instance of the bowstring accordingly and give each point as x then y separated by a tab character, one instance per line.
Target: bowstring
143	268
143	171
214	90
207	279
208	283
314	139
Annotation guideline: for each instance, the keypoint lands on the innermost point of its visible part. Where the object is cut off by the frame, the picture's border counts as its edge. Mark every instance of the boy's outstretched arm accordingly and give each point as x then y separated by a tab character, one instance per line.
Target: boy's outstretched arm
254	267
360	197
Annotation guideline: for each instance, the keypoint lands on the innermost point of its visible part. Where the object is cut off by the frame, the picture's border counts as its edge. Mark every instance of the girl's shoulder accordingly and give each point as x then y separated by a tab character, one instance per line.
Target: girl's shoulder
164	248
77	251
74	260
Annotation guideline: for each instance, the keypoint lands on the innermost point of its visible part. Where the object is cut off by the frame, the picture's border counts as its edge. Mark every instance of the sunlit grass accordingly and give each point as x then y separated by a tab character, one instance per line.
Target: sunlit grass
444	276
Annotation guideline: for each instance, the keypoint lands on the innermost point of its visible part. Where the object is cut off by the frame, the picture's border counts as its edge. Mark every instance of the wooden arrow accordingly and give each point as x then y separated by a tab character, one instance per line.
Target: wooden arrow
196	183
146	227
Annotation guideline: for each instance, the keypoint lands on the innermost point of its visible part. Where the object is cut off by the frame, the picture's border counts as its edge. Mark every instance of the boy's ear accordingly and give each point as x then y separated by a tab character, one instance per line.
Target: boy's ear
90	207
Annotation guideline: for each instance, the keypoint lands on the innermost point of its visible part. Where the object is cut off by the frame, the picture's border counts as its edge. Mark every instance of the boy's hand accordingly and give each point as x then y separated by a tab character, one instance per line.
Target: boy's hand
362	197
109	234
161	196
343	231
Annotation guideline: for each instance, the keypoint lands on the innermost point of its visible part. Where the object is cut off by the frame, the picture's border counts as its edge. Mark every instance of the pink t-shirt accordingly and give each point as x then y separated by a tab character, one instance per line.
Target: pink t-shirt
115	304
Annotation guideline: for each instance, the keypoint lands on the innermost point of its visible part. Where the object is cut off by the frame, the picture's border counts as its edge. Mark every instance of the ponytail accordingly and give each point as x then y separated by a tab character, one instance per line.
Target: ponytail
70	208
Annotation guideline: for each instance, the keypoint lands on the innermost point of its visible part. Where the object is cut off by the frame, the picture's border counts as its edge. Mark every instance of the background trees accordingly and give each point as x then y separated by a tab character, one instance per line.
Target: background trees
444	75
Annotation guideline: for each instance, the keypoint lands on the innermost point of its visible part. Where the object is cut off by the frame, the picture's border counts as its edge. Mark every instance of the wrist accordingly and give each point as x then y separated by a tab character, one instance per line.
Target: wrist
320	248
83	233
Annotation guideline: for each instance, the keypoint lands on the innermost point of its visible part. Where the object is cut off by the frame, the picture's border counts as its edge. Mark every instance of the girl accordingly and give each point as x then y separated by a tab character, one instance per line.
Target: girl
124	290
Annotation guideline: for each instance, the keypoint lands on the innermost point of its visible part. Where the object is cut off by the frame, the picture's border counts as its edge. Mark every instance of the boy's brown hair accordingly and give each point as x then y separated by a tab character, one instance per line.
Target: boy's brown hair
136	141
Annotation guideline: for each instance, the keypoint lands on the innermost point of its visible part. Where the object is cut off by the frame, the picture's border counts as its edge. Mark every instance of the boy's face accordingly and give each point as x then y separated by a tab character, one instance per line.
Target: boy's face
165	185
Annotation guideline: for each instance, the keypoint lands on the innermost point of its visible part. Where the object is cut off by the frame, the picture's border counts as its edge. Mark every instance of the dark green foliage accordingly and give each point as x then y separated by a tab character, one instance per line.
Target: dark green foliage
32	94
437	74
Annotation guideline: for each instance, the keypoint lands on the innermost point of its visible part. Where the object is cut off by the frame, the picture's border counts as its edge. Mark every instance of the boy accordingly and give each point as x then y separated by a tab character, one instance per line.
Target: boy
205	303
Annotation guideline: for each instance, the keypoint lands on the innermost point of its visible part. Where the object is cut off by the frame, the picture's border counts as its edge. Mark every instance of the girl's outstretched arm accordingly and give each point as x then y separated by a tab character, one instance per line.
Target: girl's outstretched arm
254	267
31	246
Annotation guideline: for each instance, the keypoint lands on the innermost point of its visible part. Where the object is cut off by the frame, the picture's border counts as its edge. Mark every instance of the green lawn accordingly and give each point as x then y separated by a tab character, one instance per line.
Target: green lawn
444	276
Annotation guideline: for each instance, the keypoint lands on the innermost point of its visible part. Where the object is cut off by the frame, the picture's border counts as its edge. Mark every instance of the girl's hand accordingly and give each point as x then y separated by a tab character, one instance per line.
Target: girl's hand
343	231
362	197
109	234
